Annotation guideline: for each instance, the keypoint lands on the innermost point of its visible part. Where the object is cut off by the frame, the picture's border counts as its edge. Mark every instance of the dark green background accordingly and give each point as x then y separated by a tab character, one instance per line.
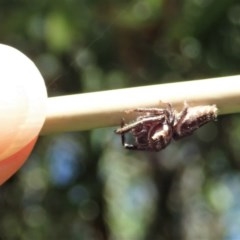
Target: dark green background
84	185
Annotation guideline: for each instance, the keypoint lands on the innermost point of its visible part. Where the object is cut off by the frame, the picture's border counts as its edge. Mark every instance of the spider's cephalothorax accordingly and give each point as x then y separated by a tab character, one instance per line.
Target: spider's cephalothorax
154	129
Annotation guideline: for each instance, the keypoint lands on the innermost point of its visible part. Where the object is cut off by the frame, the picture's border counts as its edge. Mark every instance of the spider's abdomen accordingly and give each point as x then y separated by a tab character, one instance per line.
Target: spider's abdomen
194	118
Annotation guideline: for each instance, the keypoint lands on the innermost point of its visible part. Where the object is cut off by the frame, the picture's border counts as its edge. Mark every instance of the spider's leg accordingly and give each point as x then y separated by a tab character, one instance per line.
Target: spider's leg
178	122
122	132
123	129
181	116
123	139
154	111
145	120
126	145
171	114
169	105
122	122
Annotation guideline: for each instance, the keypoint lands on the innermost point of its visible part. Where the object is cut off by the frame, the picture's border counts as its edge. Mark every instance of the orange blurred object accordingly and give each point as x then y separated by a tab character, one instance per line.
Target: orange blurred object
23	99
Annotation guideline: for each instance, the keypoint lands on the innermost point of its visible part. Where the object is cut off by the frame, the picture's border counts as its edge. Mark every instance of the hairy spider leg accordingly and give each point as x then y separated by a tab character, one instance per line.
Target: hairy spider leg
157	114
128	127
179	119
154	111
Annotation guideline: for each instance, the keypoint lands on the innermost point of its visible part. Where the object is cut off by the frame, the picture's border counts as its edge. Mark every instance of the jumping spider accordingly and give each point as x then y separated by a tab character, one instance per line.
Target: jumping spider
154	128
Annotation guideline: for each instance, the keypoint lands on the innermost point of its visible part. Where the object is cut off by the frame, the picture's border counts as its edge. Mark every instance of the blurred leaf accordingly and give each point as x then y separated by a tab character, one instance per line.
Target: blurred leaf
58	32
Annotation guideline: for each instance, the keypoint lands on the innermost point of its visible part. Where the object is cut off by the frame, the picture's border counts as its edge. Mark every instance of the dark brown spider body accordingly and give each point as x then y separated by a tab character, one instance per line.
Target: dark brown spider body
154	129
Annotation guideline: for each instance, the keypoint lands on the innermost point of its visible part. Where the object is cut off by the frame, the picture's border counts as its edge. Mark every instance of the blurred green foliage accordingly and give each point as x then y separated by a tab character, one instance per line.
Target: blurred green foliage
85	185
